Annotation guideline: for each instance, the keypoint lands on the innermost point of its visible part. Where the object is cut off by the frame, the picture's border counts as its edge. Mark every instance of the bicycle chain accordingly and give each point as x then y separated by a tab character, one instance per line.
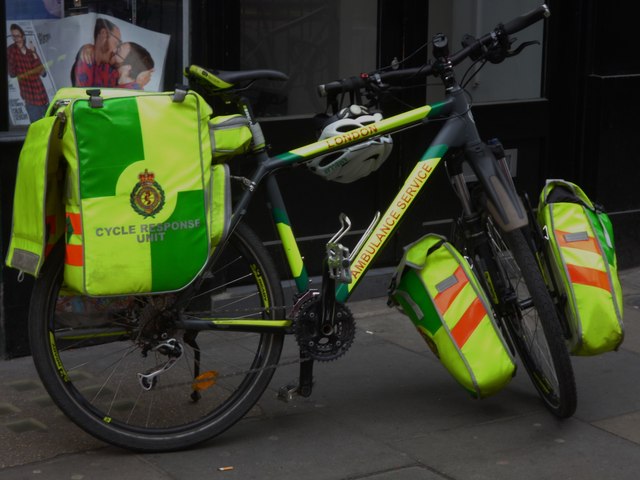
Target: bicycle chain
235	374
268	367
238	372
236	310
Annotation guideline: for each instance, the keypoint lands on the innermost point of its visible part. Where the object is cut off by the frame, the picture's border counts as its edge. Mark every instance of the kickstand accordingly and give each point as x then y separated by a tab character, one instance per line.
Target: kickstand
190	339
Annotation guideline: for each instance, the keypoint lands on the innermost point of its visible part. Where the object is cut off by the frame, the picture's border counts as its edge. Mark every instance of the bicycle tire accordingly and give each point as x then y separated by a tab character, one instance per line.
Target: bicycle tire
95	381
533	325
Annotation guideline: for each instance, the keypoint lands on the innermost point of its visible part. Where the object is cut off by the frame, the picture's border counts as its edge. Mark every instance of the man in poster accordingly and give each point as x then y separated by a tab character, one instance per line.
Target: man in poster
25	65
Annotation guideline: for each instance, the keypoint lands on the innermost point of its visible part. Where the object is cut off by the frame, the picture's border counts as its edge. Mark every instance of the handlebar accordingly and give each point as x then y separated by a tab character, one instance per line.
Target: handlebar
523	21
368	80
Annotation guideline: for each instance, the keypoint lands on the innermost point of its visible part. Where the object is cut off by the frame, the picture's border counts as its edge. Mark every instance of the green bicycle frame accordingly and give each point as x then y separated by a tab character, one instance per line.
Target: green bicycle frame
387	223
458	132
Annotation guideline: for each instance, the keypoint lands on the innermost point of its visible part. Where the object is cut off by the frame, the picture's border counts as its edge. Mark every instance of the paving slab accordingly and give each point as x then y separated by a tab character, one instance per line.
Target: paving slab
30	423
313	446
387	410
101	464
534	447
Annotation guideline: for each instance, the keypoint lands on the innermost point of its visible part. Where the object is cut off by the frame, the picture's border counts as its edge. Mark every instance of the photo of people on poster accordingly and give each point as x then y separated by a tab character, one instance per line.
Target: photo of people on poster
24	64
110	62
47	51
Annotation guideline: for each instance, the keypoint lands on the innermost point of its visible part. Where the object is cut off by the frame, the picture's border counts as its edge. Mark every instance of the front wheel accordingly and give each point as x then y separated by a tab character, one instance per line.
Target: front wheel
124	370
531	320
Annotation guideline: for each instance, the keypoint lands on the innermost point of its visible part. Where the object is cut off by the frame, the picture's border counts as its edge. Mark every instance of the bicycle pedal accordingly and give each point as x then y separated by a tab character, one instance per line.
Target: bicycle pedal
286	393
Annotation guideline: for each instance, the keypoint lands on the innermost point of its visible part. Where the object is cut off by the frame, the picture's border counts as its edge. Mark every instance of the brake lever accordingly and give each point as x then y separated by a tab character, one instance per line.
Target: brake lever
521	47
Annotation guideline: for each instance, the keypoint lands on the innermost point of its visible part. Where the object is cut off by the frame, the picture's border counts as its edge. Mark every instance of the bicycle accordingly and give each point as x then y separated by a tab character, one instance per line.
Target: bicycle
165	372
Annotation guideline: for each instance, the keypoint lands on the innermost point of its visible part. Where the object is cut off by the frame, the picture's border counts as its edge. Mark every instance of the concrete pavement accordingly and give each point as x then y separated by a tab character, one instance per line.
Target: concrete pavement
387	410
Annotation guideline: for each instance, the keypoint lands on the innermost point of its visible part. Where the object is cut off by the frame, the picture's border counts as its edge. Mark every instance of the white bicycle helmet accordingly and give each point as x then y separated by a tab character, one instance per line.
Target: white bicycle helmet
357	161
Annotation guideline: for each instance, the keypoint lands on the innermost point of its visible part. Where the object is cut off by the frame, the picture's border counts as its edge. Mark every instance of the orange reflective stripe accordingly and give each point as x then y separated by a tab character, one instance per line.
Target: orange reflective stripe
468	323
589	276
444	299
76	222
589	245
73	255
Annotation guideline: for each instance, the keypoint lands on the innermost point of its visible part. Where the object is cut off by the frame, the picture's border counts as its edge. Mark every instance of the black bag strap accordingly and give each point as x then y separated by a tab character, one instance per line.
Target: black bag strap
564	194
435	247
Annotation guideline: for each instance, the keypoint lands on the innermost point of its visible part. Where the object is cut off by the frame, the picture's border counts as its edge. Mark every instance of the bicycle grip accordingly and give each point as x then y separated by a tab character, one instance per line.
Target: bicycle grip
325	88
340	86
523	21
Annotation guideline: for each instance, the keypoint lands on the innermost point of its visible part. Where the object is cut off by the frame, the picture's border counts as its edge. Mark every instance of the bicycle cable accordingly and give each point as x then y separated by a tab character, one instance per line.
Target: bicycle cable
463	84
405	59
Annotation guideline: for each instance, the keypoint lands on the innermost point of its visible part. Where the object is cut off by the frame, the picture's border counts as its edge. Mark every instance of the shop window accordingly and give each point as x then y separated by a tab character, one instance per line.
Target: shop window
52	44
312	41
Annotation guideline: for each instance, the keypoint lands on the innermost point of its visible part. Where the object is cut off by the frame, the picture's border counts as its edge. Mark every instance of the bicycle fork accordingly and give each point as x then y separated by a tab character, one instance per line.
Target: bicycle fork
475	240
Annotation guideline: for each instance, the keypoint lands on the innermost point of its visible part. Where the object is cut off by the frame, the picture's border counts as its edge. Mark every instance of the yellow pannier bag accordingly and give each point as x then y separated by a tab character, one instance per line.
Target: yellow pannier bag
584	269
436	288
140	204
38	211
230	136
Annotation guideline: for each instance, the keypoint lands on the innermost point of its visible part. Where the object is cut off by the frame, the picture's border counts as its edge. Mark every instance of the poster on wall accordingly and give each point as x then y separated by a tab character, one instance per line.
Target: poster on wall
30	83
90	50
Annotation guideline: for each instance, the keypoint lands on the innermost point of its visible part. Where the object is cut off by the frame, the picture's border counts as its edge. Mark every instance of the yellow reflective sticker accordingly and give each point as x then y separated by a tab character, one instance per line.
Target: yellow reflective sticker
56	358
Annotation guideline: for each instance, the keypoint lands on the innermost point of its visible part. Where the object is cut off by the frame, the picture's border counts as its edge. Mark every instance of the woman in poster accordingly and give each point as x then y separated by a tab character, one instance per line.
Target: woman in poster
24	64
92	67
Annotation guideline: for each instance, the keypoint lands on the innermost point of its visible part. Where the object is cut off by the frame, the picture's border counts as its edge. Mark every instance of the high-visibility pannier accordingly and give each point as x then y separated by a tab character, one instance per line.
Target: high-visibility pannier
126	178
584	269
435	286
230	136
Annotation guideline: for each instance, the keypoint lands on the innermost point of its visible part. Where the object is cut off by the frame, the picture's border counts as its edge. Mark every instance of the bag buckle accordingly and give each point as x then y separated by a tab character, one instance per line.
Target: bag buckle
545	232
95	100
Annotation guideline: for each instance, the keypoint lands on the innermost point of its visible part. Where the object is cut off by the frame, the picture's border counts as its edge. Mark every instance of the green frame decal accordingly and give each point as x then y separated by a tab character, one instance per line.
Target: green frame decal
291	250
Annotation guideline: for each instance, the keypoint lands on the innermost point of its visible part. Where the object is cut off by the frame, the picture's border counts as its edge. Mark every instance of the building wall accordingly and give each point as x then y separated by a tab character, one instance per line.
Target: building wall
593	86
582	128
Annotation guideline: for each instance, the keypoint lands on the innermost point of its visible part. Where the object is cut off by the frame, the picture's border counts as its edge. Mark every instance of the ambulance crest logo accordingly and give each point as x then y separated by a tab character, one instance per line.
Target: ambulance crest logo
147	197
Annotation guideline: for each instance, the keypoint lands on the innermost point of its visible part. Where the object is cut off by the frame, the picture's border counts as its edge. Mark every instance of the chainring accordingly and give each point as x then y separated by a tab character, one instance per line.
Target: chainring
324	342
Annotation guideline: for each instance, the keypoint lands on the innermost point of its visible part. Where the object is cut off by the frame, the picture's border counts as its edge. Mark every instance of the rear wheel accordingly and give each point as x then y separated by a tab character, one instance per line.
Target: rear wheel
123	369
531	320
